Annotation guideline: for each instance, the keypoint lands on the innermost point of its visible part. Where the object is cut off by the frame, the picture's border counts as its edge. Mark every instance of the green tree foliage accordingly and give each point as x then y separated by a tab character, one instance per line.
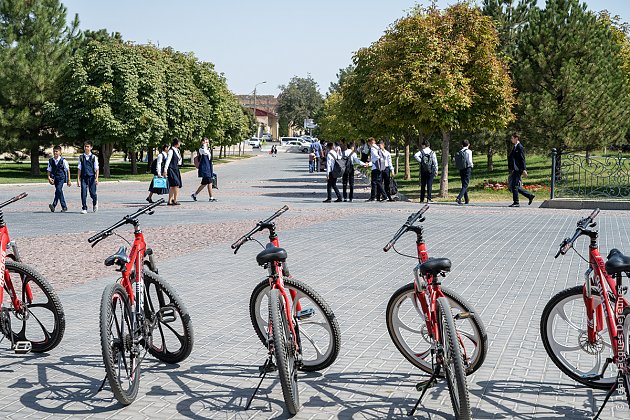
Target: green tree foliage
299	100
573	92
35	44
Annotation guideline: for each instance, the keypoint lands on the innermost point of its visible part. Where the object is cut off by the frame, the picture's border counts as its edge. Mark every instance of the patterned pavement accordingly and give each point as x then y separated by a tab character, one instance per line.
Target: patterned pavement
502	263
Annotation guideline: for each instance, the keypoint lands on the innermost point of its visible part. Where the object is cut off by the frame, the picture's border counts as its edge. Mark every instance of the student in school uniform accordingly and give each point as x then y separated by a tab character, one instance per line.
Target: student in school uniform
205	170
331	183
160	160
87	177
171	170
58	175
348	175
388	172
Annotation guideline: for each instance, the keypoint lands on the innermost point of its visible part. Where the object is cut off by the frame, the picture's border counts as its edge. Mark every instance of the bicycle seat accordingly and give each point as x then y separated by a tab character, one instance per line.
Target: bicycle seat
120	257
617	262
435	266
271	253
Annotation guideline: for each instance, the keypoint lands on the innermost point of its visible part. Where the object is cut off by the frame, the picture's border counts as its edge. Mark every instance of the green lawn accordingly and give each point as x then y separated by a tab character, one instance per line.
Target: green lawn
539	173
17	173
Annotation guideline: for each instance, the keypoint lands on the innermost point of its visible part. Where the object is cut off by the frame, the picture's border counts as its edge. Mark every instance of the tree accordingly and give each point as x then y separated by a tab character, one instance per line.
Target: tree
573	92
35	44
299	100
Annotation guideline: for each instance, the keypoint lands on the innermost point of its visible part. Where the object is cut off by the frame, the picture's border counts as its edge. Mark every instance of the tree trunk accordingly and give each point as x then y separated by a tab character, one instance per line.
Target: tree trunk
490	162
149	159
134	163
588	157
239	147
106	153
397	164
407	165
35	160
446	139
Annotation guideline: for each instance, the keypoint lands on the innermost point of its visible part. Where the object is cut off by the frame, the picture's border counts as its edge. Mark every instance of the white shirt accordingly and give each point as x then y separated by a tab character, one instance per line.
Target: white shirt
375	156
160	158
88	157
66	166
388	160
469	161
169	157
353	157
429	152
330	160
204	151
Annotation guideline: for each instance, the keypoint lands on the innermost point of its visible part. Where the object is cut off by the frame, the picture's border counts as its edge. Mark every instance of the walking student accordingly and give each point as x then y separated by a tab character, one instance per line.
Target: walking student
464	163
316	148
378	164
348	175
331	158
205	171
516	160
156	169
58	175
387	172
87	177
428	170
171	170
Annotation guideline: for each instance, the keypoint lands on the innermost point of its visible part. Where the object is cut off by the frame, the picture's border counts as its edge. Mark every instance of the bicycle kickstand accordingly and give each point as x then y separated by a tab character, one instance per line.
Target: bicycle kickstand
100	388
267	367
608	395
426	386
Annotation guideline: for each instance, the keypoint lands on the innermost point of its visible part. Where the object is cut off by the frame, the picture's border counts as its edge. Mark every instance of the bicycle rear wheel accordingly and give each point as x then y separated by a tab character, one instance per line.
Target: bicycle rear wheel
172	339
319	332
40	309
407	328
453	361
284	351
120	356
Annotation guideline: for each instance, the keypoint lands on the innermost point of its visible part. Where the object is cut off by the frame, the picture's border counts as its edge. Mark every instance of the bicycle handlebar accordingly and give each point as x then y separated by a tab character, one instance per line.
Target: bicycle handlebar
125	220
403	229
582	226
13	200
259	226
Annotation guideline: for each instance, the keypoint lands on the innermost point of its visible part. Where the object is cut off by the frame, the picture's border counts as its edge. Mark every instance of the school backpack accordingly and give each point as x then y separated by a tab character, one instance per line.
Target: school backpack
339	168
393	187
347	162
426	162
460	159
154	167
196	161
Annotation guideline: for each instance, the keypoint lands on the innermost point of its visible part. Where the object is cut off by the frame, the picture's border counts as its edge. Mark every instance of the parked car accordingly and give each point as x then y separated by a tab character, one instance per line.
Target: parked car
301	145
254	142
285	140
267	137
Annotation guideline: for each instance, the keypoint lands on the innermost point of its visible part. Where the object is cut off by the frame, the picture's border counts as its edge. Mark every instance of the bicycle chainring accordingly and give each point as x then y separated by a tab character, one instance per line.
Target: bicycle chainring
5	323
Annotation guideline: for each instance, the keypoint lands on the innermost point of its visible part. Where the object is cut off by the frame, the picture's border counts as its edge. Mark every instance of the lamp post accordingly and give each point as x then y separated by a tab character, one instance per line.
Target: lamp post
255	120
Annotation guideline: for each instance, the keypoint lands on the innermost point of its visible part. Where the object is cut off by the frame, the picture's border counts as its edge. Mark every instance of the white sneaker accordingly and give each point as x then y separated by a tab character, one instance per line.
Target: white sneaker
212	199
84	211
95	208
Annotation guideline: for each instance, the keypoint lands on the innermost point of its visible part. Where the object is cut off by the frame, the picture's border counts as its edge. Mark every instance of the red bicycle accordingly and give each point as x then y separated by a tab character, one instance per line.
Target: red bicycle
299	329
585	328
30	301
140	313
432	326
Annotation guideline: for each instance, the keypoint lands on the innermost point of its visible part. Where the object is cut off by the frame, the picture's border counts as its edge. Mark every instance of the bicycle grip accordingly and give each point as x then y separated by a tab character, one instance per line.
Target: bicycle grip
389	246
594	214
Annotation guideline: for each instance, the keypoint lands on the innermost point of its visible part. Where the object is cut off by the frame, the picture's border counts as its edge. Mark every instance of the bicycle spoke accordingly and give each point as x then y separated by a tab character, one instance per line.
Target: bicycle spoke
315	346
562	314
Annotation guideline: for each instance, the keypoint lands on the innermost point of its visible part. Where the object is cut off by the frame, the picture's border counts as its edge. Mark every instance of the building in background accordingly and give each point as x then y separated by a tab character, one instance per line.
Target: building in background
266	113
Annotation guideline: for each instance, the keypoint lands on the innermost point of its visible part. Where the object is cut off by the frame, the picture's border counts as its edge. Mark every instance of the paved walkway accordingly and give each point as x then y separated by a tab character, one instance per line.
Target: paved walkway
502	262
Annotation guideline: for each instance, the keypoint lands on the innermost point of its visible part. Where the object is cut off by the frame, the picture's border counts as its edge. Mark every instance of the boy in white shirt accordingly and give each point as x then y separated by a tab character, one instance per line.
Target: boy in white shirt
58	175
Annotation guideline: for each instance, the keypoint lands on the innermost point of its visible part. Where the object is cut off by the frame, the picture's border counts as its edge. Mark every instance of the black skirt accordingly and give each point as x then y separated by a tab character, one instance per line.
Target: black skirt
174	177
206	180
158	191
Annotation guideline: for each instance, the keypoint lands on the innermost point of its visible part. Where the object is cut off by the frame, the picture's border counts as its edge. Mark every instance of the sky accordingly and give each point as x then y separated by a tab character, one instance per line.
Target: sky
262	41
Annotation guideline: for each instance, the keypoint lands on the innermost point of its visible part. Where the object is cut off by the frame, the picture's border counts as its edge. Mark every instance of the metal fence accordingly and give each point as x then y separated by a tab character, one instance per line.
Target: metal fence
579	175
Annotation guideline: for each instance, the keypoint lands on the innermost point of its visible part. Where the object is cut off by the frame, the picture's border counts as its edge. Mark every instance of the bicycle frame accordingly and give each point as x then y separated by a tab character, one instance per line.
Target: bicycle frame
136	260
5	279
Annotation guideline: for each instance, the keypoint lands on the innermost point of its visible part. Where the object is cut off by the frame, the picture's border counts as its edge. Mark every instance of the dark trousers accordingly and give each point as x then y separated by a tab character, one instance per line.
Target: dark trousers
387	179
426	185
59	198
318	162
332	185
88	183
515	186
377	185
365	157
465	175
348	178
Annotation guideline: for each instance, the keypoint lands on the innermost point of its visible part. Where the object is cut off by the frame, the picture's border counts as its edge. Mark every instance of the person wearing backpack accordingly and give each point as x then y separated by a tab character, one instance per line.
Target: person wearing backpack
464	163
58	175
351	159
334	170
171	171
87	177
428	170
156	169
387	173
516	161
205	170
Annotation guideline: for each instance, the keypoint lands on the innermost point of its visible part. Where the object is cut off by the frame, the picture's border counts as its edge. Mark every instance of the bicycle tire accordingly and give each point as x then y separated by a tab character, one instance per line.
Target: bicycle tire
284	351
29	276
156	289
552	346
453	362
328	353
474	331
119	362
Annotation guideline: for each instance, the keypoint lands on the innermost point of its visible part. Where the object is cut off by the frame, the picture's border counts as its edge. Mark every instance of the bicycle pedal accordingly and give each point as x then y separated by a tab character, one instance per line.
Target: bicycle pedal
22	347
464	315
271	367
166	315
305	314
420	386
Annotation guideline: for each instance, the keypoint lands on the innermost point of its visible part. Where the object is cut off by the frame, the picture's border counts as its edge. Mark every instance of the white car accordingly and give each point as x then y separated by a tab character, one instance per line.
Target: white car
285	140
267	137
254	142
302	146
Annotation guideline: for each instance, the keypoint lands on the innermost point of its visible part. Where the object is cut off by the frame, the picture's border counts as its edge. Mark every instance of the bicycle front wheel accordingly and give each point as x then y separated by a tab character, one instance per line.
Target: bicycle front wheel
406	325
564	333
452	361
284	351
39	318
120	355
319	331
